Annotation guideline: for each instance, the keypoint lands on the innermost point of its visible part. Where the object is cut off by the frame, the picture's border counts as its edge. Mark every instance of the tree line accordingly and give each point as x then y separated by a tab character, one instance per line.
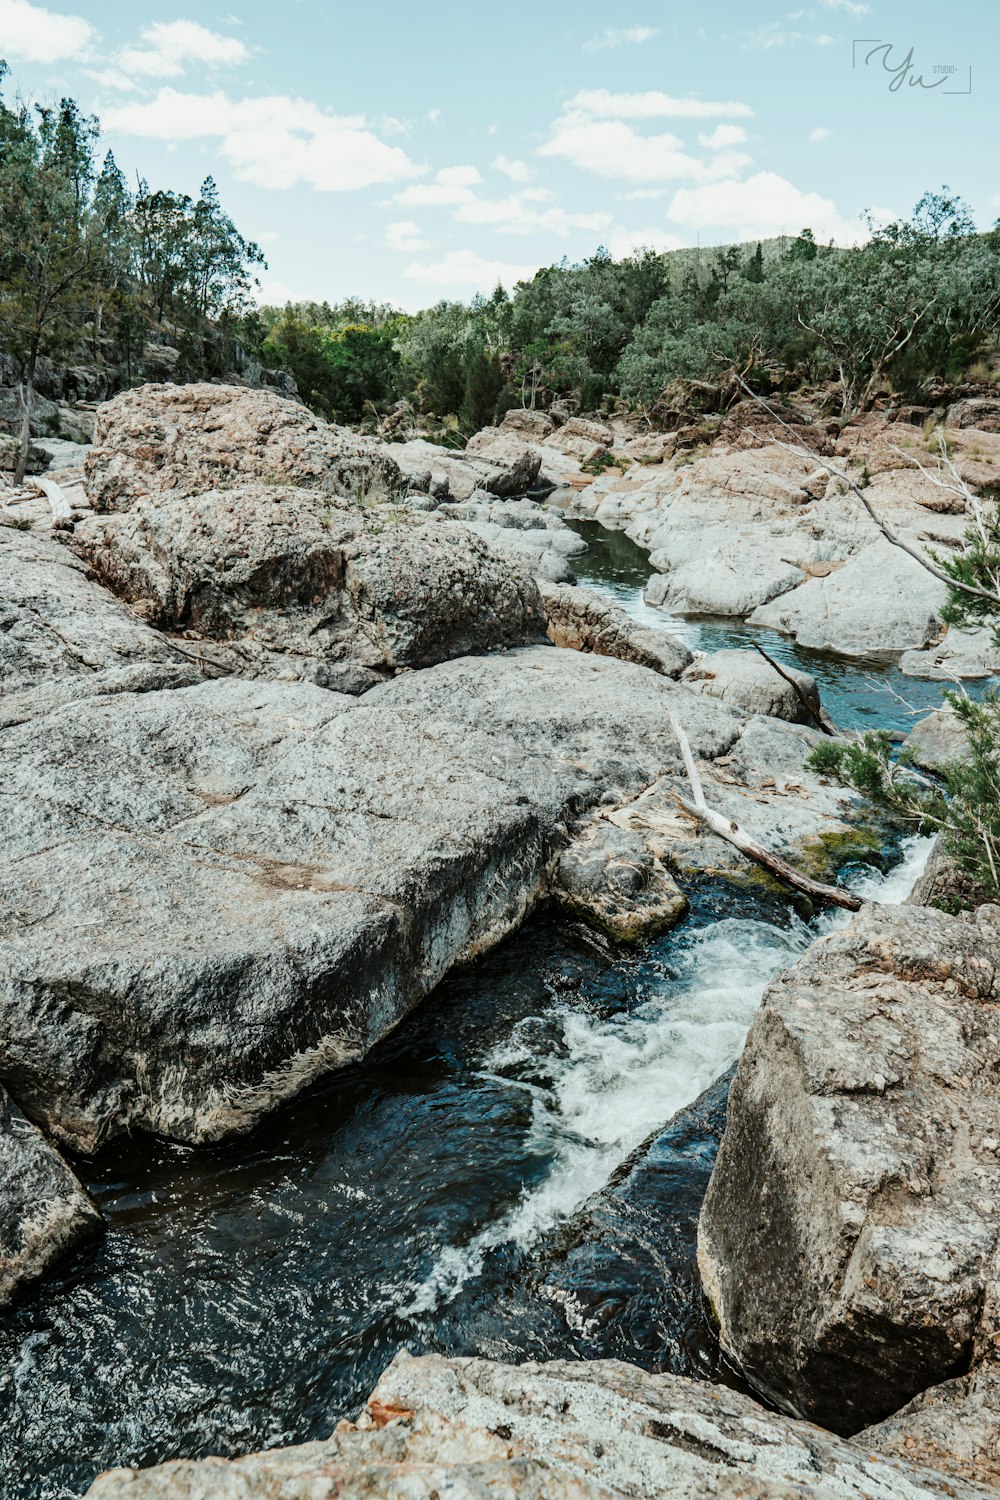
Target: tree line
920	298
91	269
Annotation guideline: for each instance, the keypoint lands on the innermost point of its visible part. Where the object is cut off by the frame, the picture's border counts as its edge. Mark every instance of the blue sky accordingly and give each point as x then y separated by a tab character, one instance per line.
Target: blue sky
416	152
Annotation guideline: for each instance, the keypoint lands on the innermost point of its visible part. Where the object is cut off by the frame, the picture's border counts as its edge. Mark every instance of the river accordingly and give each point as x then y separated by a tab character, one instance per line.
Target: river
430	1198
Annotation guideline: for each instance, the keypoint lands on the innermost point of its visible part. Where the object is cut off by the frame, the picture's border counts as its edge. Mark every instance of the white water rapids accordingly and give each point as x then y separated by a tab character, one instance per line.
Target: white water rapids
608	1084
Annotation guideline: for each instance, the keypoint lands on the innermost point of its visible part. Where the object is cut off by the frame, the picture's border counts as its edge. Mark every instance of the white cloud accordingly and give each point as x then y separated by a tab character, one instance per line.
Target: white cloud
723	136
459	176
618	36
465	271
773	35
519	214
276	294
433	115
275	142
168	46
269	237
629	241
762	206
29	33
451	186
638	193
405	236
852	7
517	171
611	148
819	134
651	104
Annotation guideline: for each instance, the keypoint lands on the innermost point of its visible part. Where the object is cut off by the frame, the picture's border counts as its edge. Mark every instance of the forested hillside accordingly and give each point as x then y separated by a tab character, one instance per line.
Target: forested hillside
123	285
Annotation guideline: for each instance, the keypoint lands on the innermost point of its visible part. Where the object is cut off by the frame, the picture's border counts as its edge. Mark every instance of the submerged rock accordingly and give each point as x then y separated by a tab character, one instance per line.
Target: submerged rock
846	1238
602	1430
44	1211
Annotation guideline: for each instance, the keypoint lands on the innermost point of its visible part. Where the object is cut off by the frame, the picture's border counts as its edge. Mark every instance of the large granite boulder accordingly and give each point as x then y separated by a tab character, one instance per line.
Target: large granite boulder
518	461
299	586
583	620
751	685
938	741
506	467
600	1430
44	1212
184	439
214	895
847	1236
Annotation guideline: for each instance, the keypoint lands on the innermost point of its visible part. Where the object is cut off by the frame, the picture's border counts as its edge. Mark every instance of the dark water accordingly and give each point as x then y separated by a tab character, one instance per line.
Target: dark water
859	692
431	1199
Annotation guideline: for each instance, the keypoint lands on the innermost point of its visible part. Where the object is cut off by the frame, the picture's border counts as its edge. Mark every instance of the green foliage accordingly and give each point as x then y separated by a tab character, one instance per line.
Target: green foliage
82	258
964	807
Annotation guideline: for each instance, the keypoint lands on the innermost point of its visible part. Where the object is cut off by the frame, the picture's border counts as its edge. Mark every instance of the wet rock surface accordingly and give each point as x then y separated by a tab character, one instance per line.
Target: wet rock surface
562	1431
44	1212
847	1235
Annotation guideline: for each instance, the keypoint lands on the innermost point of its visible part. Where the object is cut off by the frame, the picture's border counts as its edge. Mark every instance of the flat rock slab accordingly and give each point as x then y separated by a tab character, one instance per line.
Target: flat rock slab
603	1430
44	1212
214	895
847	1235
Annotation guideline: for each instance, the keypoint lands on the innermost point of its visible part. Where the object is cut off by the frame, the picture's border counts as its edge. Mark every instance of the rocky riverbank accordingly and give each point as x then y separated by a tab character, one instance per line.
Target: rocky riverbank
297	722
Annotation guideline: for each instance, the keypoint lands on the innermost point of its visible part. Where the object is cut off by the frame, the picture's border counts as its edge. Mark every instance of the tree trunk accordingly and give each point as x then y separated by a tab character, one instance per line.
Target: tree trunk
25	392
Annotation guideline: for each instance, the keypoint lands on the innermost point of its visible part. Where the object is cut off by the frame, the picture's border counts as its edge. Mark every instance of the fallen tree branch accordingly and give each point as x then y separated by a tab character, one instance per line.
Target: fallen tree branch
820	719
731	831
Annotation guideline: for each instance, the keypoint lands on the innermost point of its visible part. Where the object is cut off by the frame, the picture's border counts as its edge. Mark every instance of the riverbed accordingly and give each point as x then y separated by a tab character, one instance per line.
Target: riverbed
431	1198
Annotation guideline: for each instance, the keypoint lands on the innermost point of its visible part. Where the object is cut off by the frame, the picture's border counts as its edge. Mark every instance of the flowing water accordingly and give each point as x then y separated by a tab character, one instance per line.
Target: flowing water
859	692
432	1198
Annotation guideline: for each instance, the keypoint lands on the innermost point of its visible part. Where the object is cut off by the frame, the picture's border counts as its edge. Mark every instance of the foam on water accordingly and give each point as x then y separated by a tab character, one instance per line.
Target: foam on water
604	1085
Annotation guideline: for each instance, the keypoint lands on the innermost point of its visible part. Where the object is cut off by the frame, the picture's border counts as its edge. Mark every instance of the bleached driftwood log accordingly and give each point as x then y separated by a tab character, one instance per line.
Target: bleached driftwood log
58	503
731	831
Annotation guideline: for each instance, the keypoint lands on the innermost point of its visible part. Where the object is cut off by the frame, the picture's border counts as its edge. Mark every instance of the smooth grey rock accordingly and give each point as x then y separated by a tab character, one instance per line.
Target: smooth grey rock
521	530
960	653
880	600
179	440
44	1212
534	425
847	1234
752	686
937	741
215	895
519	461
599	1430
583	620
450	473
